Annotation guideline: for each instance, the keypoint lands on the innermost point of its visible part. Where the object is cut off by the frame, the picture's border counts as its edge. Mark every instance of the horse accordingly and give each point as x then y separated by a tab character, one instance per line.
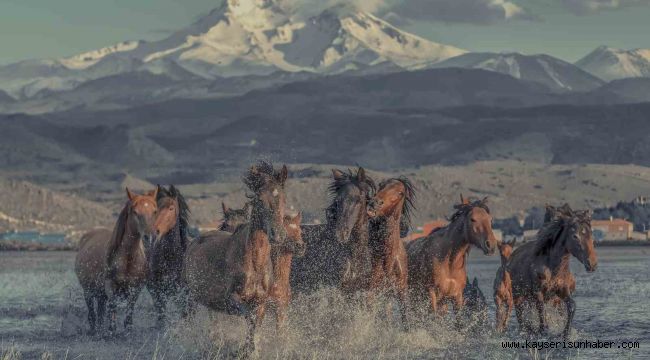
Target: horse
232	218
540	269
437	262
390	211
337	252
475	308
169	246
233	273
281	257
114	266
503	286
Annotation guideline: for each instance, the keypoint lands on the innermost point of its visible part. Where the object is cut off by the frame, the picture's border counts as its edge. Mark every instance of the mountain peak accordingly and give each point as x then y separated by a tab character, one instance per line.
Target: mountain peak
610	63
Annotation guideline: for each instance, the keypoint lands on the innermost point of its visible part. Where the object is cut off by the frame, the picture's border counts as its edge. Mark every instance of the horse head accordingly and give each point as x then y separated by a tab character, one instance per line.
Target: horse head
142	212
268	199
351	192
477	223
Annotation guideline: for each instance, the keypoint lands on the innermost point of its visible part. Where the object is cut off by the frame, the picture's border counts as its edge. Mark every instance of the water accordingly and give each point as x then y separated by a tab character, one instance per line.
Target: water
34	237
39	293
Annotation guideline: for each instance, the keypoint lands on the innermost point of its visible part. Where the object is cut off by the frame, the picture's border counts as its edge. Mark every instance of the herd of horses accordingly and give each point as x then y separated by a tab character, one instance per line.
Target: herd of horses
260	254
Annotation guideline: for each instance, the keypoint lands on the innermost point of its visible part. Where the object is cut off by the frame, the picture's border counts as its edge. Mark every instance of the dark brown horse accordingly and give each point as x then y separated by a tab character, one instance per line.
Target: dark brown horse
233	218
115	267
437	262
540	269
169	246
503	286
391	217
337	252
234	272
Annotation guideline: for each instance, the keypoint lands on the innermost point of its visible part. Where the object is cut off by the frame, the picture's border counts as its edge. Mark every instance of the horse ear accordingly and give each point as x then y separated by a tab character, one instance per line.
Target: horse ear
298	218
514	241
337	174
464	200
475	282
485	200
153	193
224	208
284	173
130	194
173	191
361	174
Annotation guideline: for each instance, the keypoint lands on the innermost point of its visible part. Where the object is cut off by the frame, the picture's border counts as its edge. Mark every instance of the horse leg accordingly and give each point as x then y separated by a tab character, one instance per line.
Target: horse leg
131	299
101	309
523	323
570	309
90	304
112	313
539	305
433	300
458	308
500	313
403	299
255	318
159	302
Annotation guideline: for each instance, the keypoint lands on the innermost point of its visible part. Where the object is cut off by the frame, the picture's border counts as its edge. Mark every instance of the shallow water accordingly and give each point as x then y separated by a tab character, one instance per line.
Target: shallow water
39	293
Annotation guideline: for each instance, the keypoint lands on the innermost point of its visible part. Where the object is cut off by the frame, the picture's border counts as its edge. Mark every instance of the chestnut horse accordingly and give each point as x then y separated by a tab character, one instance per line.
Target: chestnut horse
390	210
234	272
169	246
337	252
112	267
437	262
540	269
281	257
503	286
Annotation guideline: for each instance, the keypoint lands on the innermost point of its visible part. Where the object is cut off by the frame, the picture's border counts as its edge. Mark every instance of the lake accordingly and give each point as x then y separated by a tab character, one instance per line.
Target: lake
39	293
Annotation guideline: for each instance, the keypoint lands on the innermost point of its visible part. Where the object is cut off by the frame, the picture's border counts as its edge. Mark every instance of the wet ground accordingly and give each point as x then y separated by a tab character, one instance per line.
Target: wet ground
42	313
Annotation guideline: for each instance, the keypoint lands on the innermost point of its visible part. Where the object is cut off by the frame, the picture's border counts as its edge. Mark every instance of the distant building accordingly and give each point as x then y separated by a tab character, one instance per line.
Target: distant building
612	229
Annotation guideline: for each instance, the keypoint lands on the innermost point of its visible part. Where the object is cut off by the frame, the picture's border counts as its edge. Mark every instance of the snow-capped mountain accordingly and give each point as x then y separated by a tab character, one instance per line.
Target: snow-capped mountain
611	64
242	37
556	74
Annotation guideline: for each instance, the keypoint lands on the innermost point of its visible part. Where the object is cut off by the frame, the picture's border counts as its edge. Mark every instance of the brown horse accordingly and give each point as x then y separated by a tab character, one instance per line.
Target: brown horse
437	262
233	218
391	210
112	267
337	252
234	272
169	246
282	257
540	269
503	286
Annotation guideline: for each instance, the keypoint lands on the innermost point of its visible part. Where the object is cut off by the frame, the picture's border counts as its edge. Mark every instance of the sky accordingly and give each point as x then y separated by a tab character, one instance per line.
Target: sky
568	29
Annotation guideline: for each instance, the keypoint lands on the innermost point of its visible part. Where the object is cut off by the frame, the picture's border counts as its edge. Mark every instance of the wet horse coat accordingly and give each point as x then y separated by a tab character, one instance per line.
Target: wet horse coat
437	262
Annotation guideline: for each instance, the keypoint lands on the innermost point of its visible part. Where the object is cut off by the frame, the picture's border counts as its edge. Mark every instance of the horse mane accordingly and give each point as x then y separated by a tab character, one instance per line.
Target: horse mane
556	220
349	177
464	208
183	210
259	175
118	233
409	203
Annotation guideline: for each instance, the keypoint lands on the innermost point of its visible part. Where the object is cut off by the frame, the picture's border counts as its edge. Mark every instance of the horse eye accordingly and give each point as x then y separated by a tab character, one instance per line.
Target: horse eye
473	220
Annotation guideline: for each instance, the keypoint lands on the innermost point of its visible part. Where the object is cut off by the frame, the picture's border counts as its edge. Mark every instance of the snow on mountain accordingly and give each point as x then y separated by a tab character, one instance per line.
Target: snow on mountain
556	74
611	64
244	37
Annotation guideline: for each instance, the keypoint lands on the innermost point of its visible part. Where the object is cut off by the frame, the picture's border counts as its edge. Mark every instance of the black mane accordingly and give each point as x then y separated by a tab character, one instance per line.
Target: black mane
349	177
464	208
183	209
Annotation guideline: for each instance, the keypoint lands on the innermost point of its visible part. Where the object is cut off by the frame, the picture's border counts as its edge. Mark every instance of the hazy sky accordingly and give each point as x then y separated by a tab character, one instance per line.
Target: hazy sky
564	28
